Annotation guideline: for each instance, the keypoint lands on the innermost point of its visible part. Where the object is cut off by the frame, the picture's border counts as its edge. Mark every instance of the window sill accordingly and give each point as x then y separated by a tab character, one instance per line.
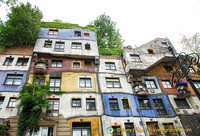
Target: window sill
20	65
58	51
10	85
91	110
115	110
6	65
114	87
10	107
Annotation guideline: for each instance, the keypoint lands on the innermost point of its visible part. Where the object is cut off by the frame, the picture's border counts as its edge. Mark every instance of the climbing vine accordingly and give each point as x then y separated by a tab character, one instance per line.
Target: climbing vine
3	130
32	99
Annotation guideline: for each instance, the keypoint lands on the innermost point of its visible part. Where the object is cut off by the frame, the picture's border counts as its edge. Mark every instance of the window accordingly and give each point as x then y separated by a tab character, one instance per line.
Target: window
87	46
168	68
39	81
150	51
56	63
170	127
144	104
8	61
53	110
90	104
191	70
150	84
85	83
22	61
87	63
86	34
76	64
135	58
130	131
13	79
76	102
113	82
110	65
113	104
153	126
116	130
166	84
76	45
1	101
182	103
125	104
197	84
81	129
54	84
59	46
77	33
12	103
159	107
53	32
48	44
42	131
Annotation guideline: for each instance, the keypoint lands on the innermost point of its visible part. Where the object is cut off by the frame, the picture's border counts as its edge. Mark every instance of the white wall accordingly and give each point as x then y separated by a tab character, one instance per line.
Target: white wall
4	111
125	86
109	121
66	109
193	102
39	47
14	66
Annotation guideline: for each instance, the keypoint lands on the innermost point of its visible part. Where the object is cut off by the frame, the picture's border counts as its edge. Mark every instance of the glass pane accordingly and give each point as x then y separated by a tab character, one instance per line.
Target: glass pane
116	84
109	84
76	132
9	81
44	131
17	82
88	83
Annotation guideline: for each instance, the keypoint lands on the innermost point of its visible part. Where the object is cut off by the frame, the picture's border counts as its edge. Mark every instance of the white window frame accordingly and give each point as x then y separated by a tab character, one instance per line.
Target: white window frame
166	84
41	132
87	76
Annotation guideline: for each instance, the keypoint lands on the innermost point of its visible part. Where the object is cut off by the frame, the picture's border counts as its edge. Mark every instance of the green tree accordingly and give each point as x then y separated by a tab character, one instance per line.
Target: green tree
107	34
32	99
8	2
22	26
191	44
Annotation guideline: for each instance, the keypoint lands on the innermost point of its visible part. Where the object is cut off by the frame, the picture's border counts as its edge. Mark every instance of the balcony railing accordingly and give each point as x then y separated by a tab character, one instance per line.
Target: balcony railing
41	66
140	89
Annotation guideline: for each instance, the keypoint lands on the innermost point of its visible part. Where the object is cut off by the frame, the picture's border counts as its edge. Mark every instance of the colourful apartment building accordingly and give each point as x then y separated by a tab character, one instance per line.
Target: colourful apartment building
102	95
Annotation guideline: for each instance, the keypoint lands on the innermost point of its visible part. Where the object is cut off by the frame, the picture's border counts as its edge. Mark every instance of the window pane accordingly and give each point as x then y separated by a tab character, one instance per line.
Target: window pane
9	81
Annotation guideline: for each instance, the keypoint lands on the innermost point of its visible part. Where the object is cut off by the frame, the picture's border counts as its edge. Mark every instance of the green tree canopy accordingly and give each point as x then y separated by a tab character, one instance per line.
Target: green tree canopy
107	34
8	2
22	26
191	44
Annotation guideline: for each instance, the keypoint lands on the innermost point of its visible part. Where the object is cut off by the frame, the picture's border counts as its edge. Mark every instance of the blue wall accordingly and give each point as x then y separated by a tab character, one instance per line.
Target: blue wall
133	111
15	88
66	34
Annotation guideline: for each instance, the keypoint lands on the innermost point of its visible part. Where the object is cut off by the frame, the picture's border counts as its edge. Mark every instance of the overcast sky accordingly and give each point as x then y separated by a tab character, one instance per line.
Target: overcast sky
139	21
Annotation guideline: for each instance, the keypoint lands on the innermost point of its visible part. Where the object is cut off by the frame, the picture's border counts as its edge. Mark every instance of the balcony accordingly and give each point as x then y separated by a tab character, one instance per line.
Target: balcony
140	89
183	90
41	67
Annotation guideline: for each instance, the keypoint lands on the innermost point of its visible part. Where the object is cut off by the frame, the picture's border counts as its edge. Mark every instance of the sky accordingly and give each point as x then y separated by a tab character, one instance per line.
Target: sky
139	21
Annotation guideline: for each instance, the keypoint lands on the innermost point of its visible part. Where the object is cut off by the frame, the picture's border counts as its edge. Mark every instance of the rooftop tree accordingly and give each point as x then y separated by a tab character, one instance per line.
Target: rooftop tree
22	26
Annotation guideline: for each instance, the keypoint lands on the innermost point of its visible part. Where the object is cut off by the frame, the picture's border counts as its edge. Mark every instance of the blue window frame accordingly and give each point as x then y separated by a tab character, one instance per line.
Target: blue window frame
150	83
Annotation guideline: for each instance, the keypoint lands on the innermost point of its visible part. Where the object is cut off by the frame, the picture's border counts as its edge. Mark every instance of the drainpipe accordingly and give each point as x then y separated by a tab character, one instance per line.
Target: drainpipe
137	106
102	100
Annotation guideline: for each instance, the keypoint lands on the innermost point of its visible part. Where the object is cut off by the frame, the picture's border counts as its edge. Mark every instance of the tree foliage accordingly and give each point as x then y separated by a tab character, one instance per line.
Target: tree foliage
32	99
107	34
8	2
22	26
191	44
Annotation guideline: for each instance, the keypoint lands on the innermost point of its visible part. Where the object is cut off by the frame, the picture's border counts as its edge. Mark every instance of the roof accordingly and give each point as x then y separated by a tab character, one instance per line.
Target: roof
19	50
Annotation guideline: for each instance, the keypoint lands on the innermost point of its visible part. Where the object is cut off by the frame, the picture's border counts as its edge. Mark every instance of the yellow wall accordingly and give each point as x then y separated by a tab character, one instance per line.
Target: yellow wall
69	82
30	80
95	124
160	70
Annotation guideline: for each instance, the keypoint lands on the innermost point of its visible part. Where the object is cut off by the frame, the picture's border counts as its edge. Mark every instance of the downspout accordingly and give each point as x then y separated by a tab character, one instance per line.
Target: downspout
137	106
102	100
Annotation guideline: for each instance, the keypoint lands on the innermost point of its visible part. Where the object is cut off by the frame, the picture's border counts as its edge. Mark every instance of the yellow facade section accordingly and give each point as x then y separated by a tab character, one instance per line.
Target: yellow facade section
70	82
160	70
31	77
95	124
